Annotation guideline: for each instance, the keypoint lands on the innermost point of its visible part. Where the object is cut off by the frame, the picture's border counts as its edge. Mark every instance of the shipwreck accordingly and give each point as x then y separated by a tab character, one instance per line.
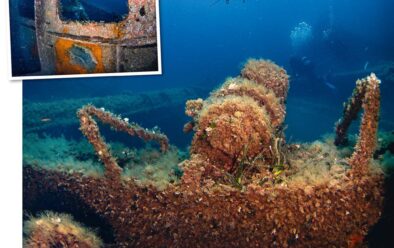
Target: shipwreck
243	185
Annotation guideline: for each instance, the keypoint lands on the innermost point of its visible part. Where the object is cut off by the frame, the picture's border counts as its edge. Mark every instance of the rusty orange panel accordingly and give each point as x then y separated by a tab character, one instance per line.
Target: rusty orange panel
65	60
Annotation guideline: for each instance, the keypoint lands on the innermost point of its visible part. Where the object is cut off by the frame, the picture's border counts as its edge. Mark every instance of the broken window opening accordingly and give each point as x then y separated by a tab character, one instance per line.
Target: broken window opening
93	11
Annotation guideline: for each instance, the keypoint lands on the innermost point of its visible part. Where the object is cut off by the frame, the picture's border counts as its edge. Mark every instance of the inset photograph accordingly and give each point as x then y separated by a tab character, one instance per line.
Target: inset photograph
73	38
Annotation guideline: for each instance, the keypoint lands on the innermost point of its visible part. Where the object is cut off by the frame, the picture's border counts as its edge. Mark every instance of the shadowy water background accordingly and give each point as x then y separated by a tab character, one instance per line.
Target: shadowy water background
203	42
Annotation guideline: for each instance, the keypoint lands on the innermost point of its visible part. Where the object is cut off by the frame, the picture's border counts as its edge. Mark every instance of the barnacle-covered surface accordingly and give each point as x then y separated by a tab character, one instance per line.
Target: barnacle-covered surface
58	230
298	195
269	74
242	119
263	96
225	144
200	212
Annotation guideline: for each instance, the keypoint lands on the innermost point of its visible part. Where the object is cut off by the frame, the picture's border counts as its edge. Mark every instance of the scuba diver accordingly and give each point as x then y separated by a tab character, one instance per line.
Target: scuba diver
318	43
303	70
302	67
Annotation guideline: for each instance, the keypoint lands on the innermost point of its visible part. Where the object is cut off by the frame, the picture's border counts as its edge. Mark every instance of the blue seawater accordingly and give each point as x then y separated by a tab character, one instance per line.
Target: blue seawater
203	42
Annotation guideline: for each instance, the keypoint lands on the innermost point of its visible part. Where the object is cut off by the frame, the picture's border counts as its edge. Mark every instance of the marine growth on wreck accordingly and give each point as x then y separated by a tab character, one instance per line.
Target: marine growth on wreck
242	186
